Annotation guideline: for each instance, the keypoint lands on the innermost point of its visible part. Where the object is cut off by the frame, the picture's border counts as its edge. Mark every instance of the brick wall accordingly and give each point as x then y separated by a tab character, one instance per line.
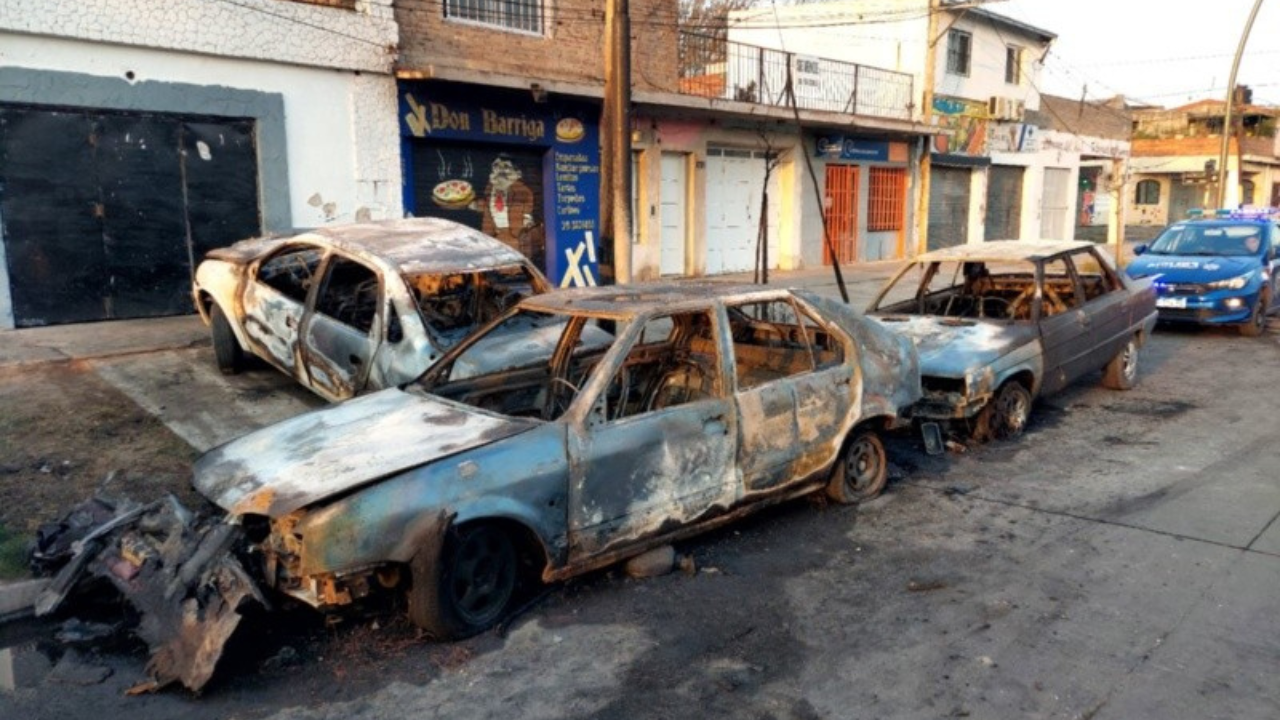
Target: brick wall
1192	146
570	49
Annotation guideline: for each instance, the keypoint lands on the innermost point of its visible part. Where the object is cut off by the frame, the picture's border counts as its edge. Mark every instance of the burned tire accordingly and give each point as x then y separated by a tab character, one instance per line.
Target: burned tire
861	470
1121	372
226	348
1257	324
1006	416
470	587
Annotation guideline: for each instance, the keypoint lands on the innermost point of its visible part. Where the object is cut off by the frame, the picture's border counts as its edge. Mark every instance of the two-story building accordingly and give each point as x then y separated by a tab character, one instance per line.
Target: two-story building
1176	153
500	101
136	135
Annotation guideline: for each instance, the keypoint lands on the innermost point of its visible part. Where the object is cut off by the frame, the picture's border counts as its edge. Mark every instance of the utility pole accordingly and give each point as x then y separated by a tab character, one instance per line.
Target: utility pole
615	121
1226	114
926	117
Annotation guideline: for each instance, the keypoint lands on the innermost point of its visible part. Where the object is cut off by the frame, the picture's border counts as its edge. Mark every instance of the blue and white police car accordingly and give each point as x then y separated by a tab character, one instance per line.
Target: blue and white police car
1218	270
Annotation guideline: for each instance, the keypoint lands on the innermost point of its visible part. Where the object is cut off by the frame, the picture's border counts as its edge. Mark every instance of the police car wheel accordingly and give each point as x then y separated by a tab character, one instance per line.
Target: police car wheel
1257	323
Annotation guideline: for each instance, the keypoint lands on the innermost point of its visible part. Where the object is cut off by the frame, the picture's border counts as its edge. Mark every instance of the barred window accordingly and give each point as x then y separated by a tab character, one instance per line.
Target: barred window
888	194
1013	65
959	44
1147	193
523	15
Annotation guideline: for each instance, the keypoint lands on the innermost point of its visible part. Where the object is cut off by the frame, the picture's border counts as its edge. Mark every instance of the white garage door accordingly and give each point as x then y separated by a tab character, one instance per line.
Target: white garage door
735	179
1054	205
673	208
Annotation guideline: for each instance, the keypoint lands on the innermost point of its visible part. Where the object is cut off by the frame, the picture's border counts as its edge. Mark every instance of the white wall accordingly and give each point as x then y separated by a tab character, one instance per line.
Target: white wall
342	139
987	64
287	32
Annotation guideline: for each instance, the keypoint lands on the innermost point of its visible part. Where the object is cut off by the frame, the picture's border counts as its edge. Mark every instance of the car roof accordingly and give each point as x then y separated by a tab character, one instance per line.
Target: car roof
629	301
419	245
407	246
1005	251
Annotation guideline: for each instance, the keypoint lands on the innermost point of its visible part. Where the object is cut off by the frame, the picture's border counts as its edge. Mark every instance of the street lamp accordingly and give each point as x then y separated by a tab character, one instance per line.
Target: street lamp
1226	115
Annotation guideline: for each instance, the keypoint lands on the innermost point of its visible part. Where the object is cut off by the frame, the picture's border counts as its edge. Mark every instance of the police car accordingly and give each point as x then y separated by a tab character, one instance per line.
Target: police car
1216	270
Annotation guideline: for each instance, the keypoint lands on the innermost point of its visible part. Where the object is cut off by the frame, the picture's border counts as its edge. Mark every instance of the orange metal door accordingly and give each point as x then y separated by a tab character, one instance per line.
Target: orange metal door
842	213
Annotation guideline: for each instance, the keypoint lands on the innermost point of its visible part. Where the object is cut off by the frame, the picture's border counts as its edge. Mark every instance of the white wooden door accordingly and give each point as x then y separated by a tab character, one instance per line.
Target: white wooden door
735	179
1054	210
673	209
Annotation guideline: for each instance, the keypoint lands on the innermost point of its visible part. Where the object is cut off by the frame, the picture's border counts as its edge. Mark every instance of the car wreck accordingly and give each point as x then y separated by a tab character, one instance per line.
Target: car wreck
177	571
578	429
356	308
1001	323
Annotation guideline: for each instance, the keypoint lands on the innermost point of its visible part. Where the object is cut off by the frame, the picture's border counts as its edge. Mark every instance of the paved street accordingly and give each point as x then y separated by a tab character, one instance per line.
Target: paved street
1119	561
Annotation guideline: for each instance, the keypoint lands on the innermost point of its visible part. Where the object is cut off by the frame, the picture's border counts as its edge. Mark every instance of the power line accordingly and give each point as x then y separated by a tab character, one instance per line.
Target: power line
304	23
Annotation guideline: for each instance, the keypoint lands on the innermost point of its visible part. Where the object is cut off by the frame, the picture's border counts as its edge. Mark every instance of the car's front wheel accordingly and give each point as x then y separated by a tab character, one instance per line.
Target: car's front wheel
1006	415
1121	372
226	348
1257	324
470	587
862	469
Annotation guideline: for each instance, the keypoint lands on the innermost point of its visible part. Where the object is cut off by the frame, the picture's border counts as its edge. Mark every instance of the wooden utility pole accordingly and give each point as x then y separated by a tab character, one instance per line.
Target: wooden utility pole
1226	115
615	123
926	117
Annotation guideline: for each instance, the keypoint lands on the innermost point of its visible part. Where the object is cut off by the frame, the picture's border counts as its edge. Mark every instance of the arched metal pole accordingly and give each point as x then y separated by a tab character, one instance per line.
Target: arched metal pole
1226	115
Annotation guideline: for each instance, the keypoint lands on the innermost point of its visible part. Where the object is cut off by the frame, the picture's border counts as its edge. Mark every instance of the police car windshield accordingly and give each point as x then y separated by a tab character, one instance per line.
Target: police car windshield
1209	239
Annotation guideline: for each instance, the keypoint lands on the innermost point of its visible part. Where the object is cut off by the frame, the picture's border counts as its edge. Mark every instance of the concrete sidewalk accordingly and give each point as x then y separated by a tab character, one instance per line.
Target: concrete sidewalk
92	341
87	341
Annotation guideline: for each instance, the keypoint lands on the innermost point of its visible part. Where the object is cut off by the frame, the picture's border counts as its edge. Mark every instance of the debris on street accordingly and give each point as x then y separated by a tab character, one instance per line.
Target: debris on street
177	570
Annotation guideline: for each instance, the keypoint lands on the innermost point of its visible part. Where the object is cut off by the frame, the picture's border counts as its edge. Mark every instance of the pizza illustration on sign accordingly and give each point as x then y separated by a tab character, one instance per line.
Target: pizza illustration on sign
570	130
453	194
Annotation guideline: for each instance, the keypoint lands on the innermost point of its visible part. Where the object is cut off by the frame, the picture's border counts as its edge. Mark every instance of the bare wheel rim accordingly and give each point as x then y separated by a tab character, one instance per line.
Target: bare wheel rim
1129	360
1012	410
862	466
483	576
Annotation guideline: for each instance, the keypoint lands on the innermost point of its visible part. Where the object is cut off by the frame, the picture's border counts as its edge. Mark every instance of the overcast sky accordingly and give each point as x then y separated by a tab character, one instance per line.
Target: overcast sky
1162	51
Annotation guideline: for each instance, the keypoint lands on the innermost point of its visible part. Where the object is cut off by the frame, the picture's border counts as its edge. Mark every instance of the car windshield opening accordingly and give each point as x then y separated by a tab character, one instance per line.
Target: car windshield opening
531	364
455	304
993	290
1188	239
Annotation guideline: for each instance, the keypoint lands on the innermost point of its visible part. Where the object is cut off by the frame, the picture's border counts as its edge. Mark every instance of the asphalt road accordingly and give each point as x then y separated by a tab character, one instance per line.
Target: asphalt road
1120	561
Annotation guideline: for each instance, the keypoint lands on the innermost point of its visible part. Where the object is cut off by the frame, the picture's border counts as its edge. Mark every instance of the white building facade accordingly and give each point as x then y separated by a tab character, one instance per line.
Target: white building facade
135	135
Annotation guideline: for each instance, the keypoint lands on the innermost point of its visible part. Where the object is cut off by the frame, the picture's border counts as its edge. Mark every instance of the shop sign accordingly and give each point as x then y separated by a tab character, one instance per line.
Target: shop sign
840	147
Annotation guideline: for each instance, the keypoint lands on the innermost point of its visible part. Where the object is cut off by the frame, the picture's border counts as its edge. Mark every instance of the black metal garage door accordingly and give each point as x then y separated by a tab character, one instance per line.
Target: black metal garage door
1004	203
948	206
104	214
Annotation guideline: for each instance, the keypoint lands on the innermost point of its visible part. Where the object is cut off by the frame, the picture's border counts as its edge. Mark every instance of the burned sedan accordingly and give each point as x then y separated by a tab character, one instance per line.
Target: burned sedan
579	429
355	308
1001	323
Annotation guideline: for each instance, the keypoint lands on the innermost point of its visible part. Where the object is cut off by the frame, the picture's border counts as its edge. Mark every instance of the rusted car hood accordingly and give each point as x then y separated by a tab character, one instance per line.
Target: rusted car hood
305	459
948	347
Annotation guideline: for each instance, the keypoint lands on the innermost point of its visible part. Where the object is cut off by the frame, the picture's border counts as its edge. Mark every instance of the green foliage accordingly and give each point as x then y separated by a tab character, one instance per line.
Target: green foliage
13	555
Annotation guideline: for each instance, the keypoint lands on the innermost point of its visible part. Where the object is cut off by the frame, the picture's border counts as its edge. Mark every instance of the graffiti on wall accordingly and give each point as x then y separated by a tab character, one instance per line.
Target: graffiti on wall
967	120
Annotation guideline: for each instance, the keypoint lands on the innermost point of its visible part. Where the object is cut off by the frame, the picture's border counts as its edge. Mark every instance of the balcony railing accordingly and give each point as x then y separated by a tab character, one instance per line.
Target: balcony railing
717	68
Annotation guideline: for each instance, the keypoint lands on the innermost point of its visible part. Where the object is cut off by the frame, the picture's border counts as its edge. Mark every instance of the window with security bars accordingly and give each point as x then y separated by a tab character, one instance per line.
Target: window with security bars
959	48
522	15
888	192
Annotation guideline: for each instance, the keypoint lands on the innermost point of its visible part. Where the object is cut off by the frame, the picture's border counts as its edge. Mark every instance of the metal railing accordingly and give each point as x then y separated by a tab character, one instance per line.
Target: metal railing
714	67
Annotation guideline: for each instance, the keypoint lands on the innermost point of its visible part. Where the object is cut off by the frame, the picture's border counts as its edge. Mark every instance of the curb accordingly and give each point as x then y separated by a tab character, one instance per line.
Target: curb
17	599
64	359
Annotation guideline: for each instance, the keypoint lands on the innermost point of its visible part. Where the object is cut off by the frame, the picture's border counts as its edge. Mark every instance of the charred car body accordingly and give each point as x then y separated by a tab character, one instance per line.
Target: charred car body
581	428
355	308
1001	323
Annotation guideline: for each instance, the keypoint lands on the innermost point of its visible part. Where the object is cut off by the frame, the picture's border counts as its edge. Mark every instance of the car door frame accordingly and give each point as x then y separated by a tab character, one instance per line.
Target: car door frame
288	330
705	425
1110	316
1066	338
373	339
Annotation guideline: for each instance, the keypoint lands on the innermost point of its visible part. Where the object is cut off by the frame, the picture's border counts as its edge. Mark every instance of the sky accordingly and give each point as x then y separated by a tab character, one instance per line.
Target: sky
1165	52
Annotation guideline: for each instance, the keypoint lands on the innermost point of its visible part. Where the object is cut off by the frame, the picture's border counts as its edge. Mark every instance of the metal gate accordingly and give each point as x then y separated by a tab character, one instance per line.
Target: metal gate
1055	209
948	207
842	214
106	214
1004	203
734	183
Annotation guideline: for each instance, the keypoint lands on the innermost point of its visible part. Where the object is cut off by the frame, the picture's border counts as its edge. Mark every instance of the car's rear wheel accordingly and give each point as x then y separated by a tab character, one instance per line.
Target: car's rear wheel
862	469
1005	416
226	348
1257	324
470	587
1121	372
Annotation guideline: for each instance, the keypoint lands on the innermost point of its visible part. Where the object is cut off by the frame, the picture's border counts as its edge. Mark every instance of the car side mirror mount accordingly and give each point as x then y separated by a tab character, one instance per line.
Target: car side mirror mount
395	333
1139	249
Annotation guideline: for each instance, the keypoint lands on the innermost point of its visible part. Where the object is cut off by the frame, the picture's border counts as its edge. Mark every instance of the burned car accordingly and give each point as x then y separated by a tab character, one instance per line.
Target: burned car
1001	323
578	429
355	308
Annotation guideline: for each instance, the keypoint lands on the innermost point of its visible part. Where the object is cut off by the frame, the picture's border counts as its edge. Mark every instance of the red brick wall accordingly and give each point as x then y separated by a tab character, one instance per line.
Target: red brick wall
1189	146
572	48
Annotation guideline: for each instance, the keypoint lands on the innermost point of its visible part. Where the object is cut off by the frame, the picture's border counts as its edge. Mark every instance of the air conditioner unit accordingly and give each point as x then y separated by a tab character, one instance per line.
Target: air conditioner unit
1003	108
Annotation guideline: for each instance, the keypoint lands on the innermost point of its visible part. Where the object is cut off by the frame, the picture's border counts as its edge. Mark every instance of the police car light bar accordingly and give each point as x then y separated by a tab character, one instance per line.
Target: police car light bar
1248	212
